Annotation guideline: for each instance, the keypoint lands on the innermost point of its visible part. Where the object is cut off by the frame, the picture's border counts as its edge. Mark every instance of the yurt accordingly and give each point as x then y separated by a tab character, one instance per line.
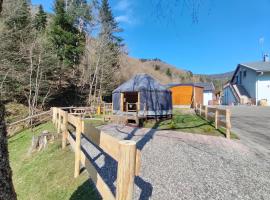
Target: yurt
144	96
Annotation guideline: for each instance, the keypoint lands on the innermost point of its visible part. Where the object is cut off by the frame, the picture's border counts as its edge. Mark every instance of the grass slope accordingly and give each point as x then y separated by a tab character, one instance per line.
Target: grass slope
188	122
47	174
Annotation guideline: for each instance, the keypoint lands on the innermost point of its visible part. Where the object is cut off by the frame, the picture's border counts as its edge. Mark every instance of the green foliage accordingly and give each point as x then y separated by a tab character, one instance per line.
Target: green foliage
65	37
168	72
40	19
157	67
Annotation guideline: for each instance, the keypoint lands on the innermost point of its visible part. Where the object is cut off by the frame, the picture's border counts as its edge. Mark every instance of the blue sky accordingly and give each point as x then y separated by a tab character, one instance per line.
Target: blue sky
227	32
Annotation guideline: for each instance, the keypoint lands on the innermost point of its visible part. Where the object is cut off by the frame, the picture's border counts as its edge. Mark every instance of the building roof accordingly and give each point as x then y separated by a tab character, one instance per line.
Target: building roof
260	66
206	86
141	82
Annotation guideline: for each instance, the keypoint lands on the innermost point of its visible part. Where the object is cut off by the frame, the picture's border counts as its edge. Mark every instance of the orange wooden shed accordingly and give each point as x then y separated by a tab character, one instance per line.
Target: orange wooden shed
186	94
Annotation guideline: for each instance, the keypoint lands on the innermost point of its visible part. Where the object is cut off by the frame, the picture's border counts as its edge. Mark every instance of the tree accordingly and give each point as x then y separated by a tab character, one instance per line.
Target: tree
40	20
6	186
110	50
168	72
67	40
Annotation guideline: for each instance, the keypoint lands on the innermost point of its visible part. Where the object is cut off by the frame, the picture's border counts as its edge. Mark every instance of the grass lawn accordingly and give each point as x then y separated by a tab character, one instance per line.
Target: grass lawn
48	174
188	122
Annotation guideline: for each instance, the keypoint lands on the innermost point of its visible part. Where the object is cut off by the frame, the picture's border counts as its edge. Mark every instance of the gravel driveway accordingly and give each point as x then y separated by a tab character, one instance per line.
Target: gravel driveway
188	166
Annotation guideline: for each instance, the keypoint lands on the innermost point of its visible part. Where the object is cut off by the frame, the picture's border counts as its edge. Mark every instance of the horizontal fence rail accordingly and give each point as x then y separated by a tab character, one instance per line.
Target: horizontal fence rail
221	117
123	151
28	122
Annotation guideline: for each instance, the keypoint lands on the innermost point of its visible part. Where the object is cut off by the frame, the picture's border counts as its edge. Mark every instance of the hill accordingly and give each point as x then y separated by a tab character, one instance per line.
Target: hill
167	73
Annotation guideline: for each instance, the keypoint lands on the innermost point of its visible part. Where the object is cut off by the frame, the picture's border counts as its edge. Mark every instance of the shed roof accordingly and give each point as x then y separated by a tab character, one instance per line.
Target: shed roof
258	66
208	86
141	82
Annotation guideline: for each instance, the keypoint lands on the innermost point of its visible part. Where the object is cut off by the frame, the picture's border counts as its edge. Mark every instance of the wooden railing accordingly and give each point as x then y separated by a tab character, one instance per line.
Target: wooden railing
221	117
28	122
123	151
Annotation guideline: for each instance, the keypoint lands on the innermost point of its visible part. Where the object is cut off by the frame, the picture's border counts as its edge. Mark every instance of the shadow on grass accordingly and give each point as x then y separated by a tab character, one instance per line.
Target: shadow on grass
86	191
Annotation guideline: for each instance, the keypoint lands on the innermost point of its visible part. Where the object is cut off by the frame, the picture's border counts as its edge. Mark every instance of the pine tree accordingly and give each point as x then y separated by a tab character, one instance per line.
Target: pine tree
40	19
80	11
111	50
67	40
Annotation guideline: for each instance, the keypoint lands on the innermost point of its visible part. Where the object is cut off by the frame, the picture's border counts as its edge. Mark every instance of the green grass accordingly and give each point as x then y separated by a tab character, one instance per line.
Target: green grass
187	122
48	174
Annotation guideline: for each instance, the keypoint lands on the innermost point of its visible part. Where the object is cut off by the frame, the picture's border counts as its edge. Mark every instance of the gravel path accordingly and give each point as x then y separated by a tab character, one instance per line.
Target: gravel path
188	166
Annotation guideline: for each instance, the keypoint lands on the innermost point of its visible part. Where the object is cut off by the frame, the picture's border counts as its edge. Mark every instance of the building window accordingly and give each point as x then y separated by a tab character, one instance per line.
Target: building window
245	73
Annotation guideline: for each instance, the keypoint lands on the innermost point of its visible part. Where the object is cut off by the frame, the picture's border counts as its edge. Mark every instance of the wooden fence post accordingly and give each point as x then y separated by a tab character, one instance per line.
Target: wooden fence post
78	147
58	121
126	170
216	119
200	109
53	115
206	113
65	129
228	123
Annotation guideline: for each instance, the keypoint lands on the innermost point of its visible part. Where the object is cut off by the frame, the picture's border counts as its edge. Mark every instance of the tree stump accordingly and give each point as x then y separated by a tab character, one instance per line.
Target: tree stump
40	142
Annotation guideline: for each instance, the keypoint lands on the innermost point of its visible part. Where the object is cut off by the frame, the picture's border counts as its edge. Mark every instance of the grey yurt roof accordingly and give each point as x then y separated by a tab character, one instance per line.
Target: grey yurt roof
140	82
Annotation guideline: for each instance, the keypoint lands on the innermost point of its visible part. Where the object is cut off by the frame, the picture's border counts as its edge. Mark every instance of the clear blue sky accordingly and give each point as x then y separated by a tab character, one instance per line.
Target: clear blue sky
227	32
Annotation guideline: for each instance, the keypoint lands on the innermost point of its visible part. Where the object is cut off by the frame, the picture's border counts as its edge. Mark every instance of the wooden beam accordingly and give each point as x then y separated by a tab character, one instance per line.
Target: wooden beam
126	170
78	147
228	123
65	130
102	187
109	144
216	118
122	102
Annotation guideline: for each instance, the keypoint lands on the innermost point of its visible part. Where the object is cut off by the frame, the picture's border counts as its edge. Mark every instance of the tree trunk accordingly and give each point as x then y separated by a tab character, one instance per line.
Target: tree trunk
7	191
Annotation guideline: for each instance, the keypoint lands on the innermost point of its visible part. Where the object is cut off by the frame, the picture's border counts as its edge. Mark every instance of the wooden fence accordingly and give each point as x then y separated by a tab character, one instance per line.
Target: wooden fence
28	122
221	117
123	151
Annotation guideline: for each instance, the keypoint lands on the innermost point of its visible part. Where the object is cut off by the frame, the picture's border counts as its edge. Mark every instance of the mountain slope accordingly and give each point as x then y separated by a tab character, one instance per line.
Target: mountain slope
166	73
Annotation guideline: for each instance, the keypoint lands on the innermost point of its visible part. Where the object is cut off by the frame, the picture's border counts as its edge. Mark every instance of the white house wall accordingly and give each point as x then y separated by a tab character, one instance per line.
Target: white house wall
207	96
263	87
249	82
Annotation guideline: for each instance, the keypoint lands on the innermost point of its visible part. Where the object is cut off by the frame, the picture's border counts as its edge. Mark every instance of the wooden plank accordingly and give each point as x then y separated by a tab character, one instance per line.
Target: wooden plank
216	119
228	123
221	111
109	144
72	119
126	170
65	130
30	117
102	187
211	110
78	147
138	162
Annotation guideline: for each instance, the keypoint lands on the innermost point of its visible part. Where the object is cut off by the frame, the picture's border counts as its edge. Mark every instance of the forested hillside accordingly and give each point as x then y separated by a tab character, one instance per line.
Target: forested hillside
73	56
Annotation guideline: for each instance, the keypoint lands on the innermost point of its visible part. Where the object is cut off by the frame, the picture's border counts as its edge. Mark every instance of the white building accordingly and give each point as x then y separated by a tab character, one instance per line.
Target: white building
250	84
208	92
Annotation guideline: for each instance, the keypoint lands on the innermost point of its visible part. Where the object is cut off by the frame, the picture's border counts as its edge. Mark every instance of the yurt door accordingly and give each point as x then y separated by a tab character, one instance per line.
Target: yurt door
130	102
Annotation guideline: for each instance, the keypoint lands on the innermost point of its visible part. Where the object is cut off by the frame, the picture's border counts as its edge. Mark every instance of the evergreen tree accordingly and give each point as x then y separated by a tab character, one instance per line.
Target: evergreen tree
111	51
67	40
80	11
40	19
168	72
